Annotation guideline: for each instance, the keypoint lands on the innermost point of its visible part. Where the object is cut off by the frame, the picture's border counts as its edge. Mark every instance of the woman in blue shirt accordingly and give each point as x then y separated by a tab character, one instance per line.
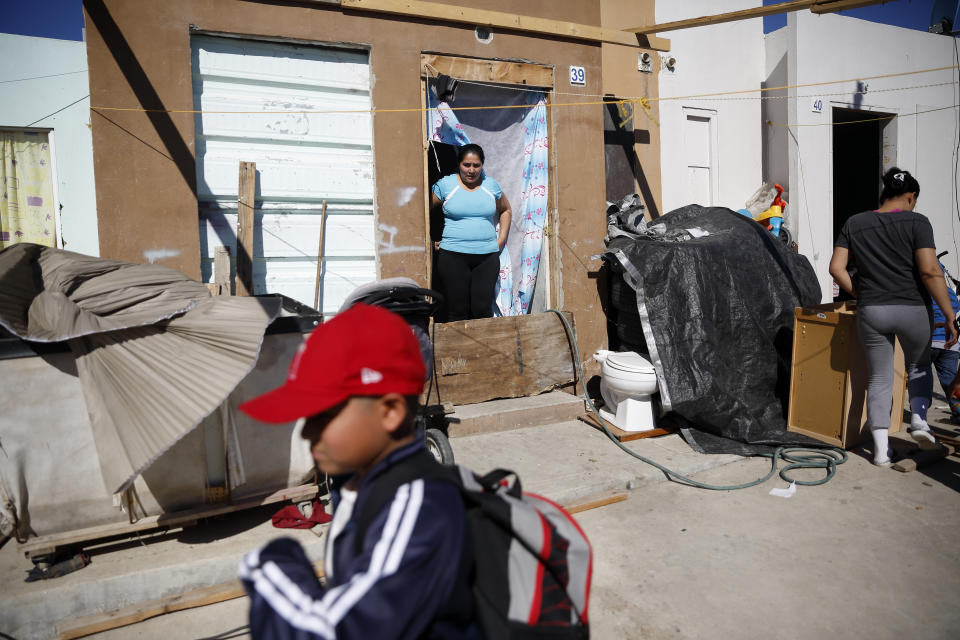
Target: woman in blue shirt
468	262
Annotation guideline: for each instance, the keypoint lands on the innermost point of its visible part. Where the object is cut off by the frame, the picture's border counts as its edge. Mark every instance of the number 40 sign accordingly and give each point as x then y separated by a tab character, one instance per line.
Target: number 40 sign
578	76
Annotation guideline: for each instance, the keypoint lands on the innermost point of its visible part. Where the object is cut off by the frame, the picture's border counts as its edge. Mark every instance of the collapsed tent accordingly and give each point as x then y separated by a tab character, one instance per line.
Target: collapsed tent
715	294
155	354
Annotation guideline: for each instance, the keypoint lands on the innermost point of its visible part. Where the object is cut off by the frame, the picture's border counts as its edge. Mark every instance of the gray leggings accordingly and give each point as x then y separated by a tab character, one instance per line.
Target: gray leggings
913	326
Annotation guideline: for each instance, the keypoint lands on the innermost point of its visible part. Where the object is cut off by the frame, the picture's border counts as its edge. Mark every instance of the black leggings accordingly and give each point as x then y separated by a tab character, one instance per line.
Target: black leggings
467	280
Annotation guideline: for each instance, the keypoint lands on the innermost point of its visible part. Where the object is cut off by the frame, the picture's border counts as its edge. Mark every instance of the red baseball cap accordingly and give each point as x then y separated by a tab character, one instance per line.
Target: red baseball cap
363	351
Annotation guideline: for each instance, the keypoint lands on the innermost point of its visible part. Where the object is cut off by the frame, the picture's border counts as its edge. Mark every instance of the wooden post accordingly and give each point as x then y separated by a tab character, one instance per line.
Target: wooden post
323	227
245	202
221	271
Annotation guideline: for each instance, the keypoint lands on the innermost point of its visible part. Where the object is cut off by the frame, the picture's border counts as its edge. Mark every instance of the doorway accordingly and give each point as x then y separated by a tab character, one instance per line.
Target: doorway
503	107
858	162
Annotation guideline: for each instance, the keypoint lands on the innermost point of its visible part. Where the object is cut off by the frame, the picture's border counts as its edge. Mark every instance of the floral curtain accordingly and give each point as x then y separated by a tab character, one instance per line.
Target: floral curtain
517	279
27	210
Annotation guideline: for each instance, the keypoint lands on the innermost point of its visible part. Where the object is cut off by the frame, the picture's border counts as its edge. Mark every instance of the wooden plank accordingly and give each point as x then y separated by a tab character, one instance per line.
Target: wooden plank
551	229
245	204
512	21
816	6
479	70
921	458
428	242
221	270
620	434
594	501
100	622
47	544
323	226
507	357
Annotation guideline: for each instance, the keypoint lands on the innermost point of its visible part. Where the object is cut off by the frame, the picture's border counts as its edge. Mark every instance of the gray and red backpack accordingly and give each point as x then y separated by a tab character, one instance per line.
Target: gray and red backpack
531	567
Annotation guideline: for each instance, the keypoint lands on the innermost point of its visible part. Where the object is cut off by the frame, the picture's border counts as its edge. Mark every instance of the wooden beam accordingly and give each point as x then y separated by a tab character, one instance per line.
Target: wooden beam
512	21
100	622
479	70
245	203
817	6
323	227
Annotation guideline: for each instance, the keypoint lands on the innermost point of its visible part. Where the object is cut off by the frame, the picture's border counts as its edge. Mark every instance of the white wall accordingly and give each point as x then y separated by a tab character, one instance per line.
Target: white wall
25	102
831	47
713	58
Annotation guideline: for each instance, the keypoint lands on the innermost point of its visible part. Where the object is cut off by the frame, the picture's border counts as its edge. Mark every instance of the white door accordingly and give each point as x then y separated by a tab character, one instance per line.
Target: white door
699	151
304	153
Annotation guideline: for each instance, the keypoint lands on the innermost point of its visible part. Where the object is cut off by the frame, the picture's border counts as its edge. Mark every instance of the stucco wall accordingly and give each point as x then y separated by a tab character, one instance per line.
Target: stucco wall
832	47
140	57
27	102
714	58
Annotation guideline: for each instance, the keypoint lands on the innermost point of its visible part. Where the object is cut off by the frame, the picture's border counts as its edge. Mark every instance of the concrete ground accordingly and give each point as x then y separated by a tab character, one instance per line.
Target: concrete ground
873	553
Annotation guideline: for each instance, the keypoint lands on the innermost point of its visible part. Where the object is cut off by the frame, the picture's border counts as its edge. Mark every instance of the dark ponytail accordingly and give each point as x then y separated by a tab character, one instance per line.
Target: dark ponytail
897	182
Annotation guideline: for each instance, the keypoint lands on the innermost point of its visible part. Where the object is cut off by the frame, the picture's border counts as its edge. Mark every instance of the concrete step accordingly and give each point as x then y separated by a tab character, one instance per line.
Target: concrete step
514	413
137	570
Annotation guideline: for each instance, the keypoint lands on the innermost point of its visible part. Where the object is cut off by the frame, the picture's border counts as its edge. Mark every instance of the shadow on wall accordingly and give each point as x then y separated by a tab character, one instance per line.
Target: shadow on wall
147	97
623	169
773	135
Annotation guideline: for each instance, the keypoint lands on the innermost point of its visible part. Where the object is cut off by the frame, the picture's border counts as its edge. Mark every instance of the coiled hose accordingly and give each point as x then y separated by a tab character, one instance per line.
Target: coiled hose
826	458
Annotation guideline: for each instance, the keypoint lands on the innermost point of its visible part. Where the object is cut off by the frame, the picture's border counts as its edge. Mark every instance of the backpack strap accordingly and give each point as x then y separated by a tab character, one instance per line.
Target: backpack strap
416	466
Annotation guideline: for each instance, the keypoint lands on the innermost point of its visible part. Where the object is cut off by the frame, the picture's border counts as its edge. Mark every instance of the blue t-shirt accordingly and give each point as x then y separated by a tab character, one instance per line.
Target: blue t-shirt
469	216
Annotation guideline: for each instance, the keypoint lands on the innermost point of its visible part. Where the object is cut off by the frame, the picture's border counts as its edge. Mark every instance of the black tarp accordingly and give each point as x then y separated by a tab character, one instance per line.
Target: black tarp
717	318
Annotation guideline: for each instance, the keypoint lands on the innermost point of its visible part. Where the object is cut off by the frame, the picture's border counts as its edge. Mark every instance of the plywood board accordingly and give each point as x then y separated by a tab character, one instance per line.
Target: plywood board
478	70
507	357
620	434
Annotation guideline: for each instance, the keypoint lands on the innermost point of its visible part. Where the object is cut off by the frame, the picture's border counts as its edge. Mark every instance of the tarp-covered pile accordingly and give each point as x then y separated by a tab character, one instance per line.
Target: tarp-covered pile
716	294
155	353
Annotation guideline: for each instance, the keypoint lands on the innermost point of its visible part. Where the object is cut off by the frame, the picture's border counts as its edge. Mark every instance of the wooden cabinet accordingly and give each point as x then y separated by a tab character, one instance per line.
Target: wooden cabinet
828	381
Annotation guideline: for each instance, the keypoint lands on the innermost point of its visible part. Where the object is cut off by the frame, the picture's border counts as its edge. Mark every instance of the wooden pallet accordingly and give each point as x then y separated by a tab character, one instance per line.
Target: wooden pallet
620	434
45	545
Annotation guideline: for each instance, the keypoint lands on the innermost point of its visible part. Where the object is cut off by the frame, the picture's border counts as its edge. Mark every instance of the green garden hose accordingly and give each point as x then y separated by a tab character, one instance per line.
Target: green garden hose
826	458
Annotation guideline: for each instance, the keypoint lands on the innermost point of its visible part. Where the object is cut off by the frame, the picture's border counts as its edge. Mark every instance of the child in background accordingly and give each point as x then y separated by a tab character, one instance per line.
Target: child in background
944	359
356	380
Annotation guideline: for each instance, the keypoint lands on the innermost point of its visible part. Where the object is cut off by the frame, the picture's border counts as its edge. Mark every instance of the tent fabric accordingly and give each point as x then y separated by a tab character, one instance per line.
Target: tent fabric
51	295
155	353
715	295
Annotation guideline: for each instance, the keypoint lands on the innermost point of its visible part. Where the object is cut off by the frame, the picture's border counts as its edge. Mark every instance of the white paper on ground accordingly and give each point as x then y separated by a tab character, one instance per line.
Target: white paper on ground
785	493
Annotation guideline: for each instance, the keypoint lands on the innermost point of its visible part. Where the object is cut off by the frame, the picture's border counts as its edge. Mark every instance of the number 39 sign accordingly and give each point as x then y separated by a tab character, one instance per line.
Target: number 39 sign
578	76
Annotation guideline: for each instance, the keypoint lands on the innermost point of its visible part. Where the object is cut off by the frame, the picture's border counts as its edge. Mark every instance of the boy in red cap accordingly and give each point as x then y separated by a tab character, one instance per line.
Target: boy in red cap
356	380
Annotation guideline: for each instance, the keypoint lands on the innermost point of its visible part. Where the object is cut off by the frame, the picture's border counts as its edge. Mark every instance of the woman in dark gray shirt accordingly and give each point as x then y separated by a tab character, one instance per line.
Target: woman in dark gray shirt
896	275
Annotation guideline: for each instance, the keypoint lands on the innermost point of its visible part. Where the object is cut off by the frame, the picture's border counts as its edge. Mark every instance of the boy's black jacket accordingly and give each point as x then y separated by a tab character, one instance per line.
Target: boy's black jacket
405	579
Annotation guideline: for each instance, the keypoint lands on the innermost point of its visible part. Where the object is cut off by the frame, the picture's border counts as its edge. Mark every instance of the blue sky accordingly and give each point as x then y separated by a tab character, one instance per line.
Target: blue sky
63	19
913	14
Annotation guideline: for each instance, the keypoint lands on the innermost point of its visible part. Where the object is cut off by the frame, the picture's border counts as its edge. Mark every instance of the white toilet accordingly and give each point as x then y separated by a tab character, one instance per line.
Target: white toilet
627	384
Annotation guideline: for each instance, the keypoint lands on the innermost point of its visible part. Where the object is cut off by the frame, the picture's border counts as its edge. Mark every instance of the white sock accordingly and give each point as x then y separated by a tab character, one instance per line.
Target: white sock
917	422
881	441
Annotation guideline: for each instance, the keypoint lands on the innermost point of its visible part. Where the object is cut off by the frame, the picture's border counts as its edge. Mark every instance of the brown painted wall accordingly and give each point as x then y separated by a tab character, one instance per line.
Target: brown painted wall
139	57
